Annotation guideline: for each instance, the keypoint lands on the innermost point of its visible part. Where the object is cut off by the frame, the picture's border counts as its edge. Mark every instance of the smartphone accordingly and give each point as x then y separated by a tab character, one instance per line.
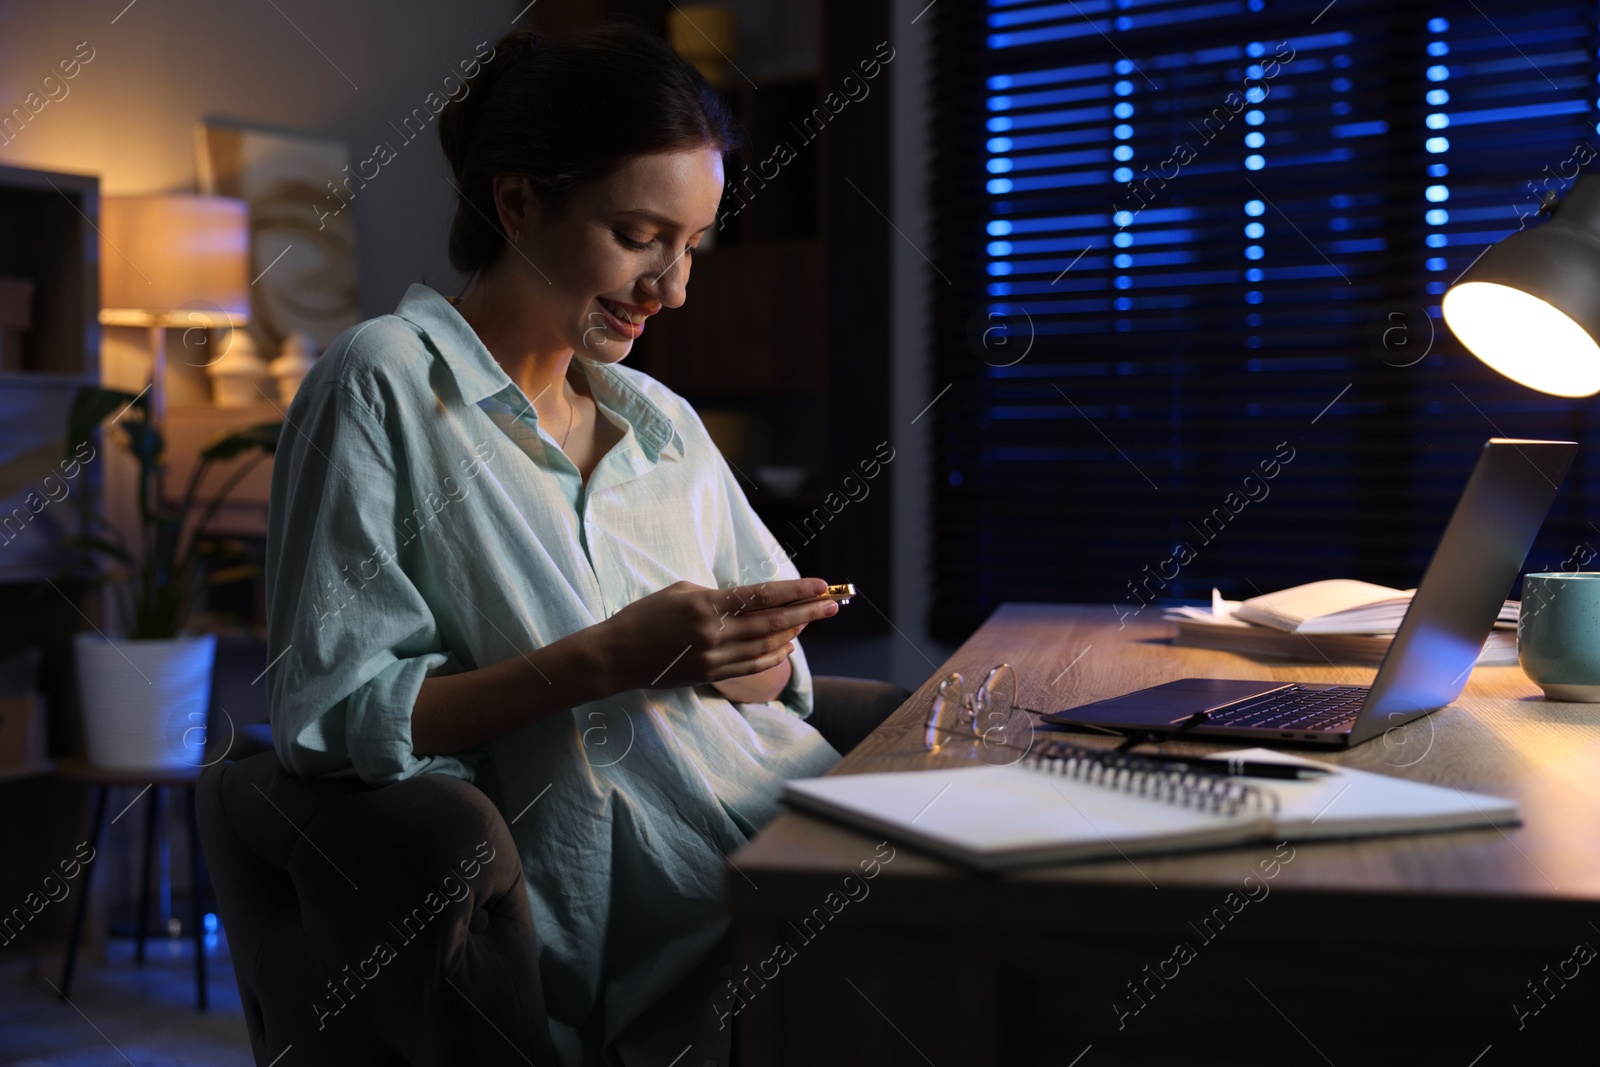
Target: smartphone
838	593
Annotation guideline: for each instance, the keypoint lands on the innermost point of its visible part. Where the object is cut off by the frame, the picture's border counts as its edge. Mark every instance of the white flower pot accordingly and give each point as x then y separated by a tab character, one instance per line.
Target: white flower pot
144	702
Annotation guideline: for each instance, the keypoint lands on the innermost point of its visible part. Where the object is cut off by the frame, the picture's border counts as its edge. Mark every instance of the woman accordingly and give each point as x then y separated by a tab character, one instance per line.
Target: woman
494	552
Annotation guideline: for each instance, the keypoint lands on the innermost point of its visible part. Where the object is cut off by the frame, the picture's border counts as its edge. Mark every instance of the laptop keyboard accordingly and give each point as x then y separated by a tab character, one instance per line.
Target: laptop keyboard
1296	708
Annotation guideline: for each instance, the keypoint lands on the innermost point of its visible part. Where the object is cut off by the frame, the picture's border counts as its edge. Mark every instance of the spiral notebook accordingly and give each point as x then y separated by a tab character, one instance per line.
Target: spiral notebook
1064	802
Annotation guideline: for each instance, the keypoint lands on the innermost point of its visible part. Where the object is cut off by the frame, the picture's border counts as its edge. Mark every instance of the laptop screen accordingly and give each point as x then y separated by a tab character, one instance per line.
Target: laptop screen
1477	562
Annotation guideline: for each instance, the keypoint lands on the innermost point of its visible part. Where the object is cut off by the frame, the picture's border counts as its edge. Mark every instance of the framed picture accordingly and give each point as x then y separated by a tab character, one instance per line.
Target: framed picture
303	255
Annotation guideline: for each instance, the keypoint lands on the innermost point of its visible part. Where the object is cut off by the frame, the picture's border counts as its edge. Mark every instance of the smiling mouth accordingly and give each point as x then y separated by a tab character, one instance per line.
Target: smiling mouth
631	318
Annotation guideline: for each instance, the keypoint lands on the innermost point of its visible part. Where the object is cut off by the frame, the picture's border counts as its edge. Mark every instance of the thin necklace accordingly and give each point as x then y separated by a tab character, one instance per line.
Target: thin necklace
572	412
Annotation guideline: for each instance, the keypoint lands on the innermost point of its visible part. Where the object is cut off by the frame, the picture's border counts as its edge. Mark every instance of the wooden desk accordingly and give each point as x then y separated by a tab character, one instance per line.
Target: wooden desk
1417	949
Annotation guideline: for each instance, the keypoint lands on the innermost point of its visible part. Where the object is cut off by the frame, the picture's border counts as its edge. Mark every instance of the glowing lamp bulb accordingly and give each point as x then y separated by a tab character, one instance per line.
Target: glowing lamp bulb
1524	338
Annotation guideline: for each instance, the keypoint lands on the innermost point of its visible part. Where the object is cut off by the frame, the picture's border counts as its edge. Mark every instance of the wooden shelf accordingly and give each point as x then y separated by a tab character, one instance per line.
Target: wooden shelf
47	236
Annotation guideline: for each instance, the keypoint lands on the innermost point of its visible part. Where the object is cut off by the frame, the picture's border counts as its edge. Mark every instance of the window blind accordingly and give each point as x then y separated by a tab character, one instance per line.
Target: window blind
1190	257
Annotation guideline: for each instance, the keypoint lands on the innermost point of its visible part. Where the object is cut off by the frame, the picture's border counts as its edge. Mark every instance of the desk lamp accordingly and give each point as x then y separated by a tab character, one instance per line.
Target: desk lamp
1530	306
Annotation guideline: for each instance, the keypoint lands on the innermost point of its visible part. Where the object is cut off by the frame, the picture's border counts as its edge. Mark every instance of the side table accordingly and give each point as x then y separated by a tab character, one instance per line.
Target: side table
102	779
21	772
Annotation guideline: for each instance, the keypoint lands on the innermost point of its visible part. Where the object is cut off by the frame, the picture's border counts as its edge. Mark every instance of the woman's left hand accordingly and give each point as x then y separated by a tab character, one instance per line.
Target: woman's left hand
756	688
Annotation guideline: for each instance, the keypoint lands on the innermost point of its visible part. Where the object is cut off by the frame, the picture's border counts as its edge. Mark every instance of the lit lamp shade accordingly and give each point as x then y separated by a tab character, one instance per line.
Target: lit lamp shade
160	254
1530	306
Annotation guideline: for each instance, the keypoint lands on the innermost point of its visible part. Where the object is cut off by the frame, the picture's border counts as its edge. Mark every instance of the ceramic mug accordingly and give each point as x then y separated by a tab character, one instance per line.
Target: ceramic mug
1558	634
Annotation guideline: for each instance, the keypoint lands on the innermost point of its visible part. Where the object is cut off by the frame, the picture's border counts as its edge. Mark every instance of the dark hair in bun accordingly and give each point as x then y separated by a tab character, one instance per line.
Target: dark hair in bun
567	111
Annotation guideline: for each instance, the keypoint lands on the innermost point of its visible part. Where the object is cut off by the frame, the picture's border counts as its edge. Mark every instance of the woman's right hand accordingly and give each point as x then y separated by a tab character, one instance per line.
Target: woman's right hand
687	634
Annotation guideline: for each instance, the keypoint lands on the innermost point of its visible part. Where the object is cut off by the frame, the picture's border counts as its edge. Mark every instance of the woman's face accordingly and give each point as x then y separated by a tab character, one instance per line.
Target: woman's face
623	248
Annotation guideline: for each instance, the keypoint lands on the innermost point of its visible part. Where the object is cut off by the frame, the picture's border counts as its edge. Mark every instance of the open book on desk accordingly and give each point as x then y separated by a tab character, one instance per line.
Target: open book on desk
1064	802
1334	606
1359	631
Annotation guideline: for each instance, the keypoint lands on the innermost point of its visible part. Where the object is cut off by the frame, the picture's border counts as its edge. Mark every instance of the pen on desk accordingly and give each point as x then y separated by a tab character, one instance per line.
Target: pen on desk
1245	768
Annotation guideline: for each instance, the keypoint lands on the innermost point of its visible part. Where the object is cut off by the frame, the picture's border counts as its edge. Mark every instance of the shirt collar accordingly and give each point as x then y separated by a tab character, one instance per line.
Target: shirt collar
478	375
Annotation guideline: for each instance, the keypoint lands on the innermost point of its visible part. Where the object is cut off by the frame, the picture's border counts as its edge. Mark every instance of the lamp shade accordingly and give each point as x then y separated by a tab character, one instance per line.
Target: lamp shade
1530	306
162	253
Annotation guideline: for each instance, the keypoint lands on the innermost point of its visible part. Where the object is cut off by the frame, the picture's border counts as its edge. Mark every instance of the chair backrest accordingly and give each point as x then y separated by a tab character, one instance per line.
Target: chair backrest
373	925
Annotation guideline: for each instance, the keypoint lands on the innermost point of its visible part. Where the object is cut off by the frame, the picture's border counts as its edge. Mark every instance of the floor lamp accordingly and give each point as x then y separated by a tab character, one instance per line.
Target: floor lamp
174	260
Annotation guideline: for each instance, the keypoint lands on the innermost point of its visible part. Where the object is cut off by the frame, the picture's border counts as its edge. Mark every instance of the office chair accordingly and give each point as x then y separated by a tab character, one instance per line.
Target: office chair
346	942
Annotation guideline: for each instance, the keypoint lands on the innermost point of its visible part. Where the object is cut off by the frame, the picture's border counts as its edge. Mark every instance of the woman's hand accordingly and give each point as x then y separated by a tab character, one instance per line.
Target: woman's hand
681	636
687	634
756	688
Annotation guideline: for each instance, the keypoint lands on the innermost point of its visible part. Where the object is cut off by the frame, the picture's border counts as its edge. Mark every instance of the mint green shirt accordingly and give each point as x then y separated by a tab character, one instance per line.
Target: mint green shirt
422	522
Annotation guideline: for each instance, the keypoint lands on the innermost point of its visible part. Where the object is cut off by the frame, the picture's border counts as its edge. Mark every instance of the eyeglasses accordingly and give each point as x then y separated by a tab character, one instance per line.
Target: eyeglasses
982	722
987	723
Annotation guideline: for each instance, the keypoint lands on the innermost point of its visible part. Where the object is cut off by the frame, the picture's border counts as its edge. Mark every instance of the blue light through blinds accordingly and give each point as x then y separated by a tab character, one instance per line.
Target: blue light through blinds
1207	217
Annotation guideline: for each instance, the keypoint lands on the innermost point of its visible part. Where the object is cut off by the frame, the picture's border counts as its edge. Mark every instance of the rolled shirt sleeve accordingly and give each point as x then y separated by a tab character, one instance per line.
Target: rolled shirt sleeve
350	637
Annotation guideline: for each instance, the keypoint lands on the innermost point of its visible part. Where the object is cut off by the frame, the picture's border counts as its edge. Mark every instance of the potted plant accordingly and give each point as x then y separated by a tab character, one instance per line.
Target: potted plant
145	694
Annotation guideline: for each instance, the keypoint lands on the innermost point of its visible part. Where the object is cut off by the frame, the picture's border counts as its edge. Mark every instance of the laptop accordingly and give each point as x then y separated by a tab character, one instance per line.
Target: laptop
1454	608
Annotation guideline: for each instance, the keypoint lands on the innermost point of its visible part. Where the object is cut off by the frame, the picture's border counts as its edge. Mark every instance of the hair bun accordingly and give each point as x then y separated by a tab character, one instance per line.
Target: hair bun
459	120
534	116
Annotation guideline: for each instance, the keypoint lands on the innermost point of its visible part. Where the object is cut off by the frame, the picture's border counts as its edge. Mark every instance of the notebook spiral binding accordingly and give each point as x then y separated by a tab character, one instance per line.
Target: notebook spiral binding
1149	777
